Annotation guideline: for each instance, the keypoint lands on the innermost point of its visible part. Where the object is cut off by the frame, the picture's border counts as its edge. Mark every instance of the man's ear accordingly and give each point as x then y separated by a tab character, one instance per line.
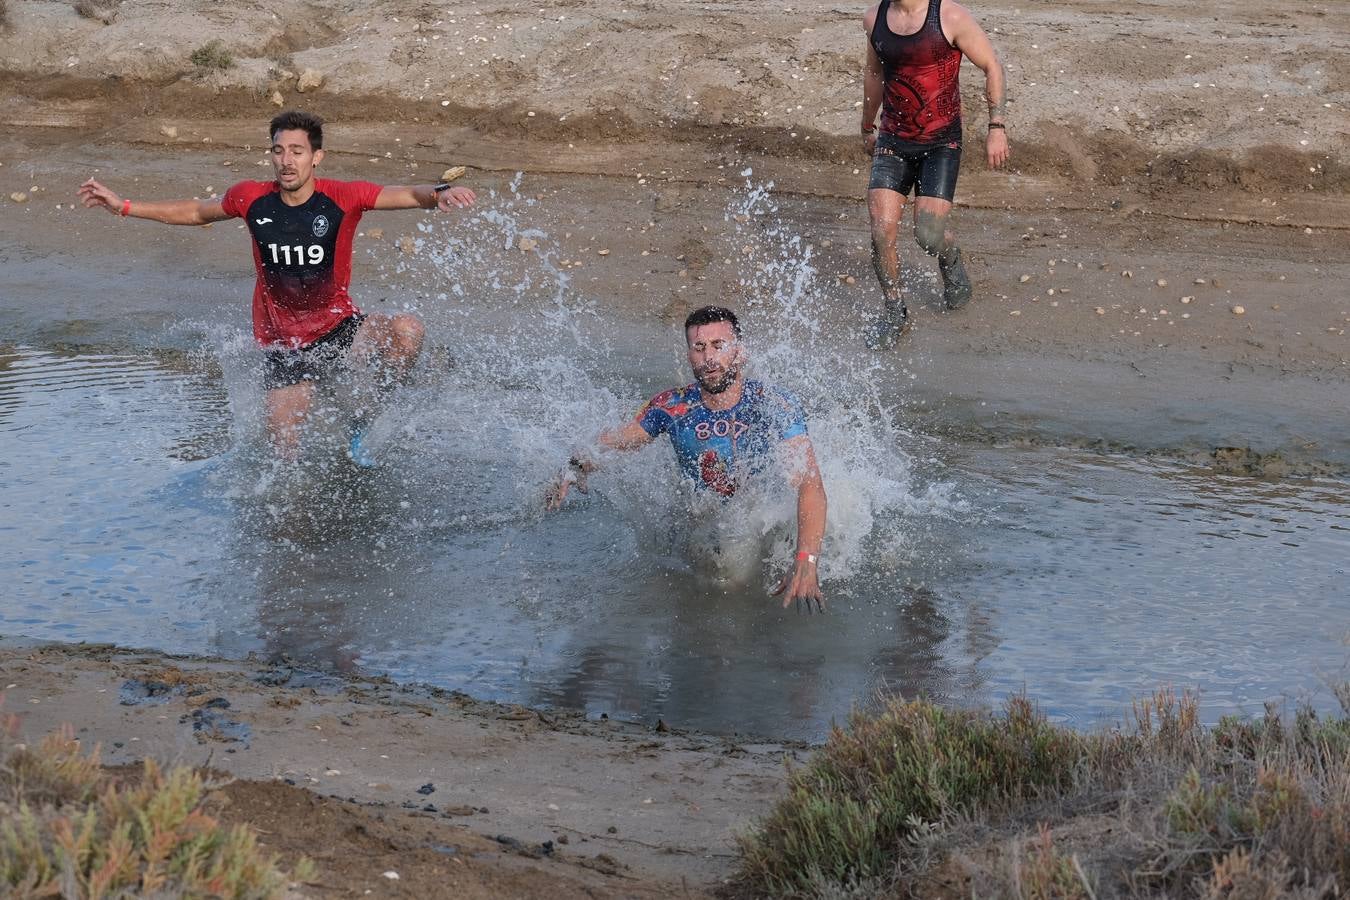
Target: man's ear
318	156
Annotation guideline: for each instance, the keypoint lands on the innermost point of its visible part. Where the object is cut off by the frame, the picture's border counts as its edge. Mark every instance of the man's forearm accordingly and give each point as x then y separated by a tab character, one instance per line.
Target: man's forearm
873	86
811	506
996	89
170	212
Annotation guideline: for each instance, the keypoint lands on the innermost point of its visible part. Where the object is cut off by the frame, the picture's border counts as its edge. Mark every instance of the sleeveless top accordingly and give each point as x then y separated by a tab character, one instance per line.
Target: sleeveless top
922	99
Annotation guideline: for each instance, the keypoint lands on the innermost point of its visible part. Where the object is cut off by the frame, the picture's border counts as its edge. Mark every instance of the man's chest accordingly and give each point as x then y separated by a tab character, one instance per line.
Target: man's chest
291	237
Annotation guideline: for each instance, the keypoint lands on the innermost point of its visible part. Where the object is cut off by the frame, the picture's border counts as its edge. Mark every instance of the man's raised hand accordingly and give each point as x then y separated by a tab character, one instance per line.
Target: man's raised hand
93	194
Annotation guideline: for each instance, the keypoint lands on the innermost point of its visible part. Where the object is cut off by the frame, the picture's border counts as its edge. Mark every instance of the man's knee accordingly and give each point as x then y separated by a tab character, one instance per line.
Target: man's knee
930	234
408	331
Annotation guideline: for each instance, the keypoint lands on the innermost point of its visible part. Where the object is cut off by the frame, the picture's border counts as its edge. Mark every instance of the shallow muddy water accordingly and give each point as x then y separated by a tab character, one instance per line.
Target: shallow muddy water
139	508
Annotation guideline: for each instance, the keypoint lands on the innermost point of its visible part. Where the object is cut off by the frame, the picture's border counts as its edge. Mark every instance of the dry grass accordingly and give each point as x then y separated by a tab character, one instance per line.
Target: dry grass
67	829
212	55
924	802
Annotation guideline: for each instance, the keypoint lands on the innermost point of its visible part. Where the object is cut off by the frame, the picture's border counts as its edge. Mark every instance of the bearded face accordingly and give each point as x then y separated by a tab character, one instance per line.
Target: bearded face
716	355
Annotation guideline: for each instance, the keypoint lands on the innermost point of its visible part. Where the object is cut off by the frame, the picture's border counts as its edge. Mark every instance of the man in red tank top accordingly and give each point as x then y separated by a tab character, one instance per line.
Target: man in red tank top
302	229
914	50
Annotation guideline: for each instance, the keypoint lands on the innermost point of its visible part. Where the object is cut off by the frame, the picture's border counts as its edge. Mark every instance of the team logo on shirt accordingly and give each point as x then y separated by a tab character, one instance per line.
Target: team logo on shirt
320	226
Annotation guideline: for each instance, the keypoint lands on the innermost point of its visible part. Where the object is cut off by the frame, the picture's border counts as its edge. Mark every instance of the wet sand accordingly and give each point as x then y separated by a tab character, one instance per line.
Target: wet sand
1142	189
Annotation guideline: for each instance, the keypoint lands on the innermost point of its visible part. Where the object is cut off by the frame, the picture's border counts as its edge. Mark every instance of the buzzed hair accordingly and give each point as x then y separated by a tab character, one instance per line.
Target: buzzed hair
707	315
298	120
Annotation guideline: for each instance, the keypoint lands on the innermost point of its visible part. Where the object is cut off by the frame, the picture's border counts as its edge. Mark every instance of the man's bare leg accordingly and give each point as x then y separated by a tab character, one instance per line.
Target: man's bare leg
388	347
886	208
933	233
287	408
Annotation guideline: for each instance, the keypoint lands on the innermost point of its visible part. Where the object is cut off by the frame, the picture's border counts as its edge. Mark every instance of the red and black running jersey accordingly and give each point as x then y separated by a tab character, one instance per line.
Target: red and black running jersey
922	100
303	255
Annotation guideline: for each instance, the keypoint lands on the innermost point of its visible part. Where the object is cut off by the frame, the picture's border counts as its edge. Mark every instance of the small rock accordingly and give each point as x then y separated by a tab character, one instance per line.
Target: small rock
427	789
1185	300
553	807
453	173
332	773
1050	293
562	839
1307	231
169	131
310	80
1161	282
527	244
1239	310
277	99
1101	311
1126	273
375	233
1024	279
19	197
407	245
613	829
602	253
391	875
1200	281
849	279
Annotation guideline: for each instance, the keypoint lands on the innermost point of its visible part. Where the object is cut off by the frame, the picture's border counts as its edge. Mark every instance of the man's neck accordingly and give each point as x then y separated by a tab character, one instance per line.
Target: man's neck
911	6
728	398
299	195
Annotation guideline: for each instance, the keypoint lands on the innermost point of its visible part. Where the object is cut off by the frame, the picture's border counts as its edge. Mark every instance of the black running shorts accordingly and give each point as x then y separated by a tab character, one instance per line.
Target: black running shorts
902	167
283	368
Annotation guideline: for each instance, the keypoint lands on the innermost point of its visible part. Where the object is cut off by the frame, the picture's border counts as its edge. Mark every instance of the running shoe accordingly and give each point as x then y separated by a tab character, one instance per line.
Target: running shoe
359	448
887	330
956	288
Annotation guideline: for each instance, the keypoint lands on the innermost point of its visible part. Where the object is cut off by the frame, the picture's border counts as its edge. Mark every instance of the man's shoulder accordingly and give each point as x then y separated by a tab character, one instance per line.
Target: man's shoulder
771	392
676	401
243	194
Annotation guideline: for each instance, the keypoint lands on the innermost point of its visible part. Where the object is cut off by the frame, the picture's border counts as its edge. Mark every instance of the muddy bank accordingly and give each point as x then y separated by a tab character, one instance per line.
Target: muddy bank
1232	98
495	800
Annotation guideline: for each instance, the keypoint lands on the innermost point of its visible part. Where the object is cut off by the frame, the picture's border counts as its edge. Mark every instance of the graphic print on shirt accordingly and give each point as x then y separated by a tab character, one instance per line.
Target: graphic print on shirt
302	254
716	449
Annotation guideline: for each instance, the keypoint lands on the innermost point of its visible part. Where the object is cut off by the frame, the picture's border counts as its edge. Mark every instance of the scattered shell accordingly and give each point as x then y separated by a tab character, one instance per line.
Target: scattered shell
1239	310
849	279
1015	312
1024	279
602	253
19	197
1161	282
391	875
527	244
310	80
1200	281
169	131
1101	311
452	173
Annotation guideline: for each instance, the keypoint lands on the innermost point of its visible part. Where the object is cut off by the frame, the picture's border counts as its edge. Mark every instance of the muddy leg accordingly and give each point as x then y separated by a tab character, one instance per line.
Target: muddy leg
886	207
933	233
287	408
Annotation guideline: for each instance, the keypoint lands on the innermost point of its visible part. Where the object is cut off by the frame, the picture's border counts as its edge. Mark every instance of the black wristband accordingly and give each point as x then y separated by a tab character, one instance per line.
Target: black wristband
442	186
869	129
998	125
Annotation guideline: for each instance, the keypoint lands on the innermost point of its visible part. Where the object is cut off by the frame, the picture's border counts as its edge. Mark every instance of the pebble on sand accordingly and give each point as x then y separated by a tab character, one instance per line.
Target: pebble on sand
453	173
527	244
277	99
1239	310
1024	279
1161	282
19	197
602	253
1187	299
391	875
375	234
1101	311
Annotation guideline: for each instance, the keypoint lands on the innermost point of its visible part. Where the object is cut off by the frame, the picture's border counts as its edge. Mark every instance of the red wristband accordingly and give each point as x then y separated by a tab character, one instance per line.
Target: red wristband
809	557
126	208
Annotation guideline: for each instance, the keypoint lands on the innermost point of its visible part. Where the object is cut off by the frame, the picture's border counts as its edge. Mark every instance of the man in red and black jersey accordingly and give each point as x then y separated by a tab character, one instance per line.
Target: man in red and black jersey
302	229
914	50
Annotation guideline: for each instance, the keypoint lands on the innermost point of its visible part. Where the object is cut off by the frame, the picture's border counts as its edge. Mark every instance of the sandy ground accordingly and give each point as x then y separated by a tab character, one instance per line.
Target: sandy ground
1162	151
461	798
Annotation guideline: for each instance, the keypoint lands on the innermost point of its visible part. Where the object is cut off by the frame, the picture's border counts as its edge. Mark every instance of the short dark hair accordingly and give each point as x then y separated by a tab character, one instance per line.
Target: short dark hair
706	315
298	120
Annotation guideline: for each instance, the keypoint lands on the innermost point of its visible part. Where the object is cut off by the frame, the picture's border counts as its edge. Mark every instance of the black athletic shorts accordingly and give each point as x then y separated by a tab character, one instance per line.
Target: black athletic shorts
900	166
283	368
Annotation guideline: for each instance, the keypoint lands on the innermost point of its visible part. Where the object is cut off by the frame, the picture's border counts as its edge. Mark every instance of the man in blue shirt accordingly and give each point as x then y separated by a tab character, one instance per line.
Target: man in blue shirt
724	428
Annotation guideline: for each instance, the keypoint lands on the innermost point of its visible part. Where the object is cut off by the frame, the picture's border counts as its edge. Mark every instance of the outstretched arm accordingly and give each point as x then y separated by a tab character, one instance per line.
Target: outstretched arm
803	582
968	37
170	212
874	83
627	437
425	196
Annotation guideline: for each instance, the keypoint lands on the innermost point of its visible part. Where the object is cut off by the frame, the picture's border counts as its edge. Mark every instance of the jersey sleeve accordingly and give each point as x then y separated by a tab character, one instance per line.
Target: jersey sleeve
239	198
354	196
789	417
655	418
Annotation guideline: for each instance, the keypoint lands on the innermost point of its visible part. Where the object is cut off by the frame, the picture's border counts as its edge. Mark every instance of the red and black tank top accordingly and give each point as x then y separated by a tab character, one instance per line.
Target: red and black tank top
922	100
303	255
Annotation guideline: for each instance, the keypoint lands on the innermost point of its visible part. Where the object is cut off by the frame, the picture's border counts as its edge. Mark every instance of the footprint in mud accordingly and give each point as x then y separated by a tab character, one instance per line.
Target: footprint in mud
210	723
138	691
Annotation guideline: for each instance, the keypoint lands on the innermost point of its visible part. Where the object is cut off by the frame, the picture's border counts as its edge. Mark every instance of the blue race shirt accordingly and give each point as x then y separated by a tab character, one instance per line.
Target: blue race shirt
715	447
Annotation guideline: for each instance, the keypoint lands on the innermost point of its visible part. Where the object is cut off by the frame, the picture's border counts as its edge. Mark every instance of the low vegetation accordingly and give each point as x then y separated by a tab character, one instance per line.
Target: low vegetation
104	11
921	801
69	829
212	55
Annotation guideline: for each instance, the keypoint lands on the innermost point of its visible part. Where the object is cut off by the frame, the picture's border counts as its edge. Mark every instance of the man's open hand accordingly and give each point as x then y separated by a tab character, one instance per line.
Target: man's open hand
455	198
801	585
93	194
